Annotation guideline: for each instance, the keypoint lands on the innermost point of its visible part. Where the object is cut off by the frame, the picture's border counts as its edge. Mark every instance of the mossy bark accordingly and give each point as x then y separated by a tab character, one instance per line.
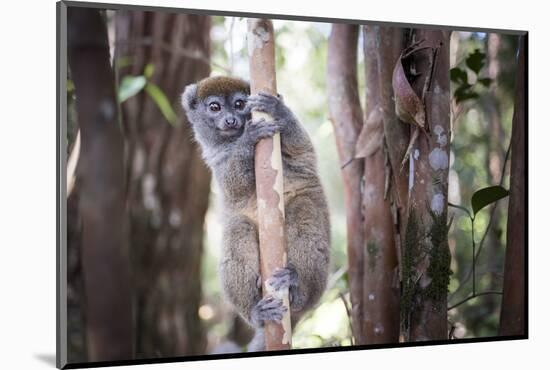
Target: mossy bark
426	266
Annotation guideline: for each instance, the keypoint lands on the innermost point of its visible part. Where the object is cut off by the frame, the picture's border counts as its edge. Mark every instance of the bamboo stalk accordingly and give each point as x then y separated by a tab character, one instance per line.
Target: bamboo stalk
269	180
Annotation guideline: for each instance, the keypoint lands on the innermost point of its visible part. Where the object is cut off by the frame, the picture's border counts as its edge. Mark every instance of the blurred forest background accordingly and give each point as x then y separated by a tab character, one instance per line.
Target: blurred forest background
171	231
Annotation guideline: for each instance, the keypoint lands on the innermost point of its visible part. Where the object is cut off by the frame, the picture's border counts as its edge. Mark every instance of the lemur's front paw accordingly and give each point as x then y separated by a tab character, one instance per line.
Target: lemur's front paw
267	309
287	278
284	278
267	103
262	129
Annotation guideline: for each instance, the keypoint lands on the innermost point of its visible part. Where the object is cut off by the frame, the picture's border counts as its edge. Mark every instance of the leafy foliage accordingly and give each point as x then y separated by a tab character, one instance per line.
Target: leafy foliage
483	197
459	76
130	86
161	101
475	61
465	91
133	85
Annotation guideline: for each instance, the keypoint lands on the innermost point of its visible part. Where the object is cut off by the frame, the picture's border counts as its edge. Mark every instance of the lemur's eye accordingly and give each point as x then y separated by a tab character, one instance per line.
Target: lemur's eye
214	107
239	104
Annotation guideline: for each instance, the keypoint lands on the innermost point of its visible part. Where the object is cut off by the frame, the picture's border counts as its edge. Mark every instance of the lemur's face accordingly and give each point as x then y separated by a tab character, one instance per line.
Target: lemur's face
227	114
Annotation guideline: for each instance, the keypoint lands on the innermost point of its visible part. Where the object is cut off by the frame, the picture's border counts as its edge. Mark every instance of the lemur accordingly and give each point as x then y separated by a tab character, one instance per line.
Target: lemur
219	111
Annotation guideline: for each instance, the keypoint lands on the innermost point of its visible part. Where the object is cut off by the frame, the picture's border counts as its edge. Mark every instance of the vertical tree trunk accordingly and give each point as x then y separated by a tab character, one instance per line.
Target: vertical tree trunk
426	256
512	319
404	212
381	279
76	307
389	43
76	330
269	179
105	260
493	166
346	116
168	182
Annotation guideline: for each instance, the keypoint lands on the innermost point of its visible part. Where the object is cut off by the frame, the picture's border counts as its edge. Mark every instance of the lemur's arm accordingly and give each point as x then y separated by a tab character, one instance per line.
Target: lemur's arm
295	140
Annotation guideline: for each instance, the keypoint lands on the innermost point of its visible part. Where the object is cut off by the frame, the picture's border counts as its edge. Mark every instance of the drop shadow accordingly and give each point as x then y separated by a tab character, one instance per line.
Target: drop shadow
47	358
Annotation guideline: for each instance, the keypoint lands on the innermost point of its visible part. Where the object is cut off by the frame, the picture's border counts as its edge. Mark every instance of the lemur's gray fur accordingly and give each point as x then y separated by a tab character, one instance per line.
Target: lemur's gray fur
219	110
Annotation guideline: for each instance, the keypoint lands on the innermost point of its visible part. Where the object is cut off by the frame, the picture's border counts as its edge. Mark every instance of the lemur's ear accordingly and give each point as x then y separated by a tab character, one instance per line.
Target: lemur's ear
189	98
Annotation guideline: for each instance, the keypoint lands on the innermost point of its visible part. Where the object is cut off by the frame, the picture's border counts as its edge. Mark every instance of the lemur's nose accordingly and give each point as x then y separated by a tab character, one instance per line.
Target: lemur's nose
231	122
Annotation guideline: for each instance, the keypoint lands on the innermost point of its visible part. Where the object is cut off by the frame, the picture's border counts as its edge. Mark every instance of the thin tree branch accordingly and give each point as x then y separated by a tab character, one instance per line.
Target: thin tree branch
472	297
493	209
164	46
268	168
461	208
348	312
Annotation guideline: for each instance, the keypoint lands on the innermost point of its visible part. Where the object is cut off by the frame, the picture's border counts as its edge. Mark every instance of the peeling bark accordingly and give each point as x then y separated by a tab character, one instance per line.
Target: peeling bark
426	250
269	179
380	280
401	232
389	41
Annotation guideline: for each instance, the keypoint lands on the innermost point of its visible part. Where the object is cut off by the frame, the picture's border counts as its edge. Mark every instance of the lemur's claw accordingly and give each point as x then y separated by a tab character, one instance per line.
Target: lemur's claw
268	309
262	129
263	102
283	278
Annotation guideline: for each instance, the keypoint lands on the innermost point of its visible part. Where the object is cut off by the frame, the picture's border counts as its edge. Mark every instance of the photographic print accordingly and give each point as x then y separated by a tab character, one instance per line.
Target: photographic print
236	184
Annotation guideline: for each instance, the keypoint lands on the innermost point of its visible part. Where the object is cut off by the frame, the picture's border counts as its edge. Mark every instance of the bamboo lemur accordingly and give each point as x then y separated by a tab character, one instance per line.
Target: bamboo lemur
219	110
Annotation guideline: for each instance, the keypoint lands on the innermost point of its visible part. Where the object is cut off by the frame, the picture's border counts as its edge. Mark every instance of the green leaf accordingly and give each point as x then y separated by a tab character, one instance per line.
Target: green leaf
485	81
70	85
486	196
122	62
462	89
346	278
148	71
466	96
161	101
465	92
459	76
475	61
130	86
